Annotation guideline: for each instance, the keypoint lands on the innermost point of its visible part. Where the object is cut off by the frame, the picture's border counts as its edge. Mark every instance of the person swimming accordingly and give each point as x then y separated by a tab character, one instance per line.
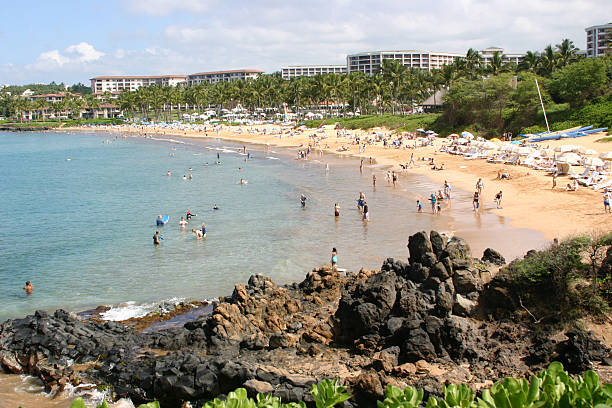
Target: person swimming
28	287
197	232
182	222
215	207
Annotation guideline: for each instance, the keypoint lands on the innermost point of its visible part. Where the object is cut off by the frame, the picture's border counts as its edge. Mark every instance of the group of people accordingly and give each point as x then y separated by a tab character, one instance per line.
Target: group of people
198	232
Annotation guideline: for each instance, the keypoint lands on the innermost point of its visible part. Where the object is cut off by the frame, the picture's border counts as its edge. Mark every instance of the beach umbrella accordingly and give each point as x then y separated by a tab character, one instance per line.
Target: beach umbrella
490	146
495	139
467	135
462	140
507	148
606	156
593	162
570	158
524	151
579	149
564	148
546	153
420	130
453	135
591	152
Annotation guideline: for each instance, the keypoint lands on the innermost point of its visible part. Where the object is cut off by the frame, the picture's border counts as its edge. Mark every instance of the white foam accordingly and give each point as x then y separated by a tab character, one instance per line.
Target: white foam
131	309
272	158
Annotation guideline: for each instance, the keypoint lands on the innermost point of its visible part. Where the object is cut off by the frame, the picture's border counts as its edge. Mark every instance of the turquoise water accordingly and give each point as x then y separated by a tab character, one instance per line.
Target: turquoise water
81	229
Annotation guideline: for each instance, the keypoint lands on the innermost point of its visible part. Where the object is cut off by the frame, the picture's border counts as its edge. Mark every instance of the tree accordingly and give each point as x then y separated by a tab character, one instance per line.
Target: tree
394	73
473	62
566	53
580	82
529	62
496	65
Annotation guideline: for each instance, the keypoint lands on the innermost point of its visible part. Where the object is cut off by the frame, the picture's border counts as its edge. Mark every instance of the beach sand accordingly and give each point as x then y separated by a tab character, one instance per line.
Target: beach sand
528	198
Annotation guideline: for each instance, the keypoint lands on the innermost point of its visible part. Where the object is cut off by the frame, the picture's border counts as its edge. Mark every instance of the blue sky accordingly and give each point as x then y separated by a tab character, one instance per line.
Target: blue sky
71	41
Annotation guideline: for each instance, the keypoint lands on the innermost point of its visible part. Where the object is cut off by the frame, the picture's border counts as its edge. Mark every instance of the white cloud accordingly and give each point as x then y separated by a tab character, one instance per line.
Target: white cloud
52	57
85	52
165	7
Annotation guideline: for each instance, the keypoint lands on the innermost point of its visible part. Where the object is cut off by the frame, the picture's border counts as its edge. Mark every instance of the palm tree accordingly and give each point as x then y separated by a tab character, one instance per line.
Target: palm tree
473	62
530	61
496	65
566	52
548	61
40	105
394	74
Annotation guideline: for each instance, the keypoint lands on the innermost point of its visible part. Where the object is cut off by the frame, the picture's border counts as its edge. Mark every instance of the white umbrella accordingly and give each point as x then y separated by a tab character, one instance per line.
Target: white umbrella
593	162
606	156
524	151
591	152
467	135
579	149
546	152
462	140
490	146
564	148
570	158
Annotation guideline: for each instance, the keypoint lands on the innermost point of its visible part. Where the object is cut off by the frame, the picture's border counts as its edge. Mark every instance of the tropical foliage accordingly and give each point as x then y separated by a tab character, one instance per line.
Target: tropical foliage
551	388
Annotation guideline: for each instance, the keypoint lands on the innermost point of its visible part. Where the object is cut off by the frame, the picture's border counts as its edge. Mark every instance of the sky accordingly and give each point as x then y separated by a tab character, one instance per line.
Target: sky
73	41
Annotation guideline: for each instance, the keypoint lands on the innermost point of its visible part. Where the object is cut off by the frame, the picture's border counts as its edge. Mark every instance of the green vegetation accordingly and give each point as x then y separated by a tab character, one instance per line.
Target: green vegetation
567	279
606	139
551	388
62	123
394	122
40	89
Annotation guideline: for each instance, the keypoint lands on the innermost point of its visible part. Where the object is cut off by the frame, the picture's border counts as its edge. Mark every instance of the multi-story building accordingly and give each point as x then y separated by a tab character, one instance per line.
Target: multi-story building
51	98
222	76
487	56
295	71
370	62
116	84
599	40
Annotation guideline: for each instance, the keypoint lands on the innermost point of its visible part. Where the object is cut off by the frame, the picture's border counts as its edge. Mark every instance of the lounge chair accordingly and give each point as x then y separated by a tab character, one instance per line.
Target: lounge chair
603	184
587	170
589	181
499	159
513	160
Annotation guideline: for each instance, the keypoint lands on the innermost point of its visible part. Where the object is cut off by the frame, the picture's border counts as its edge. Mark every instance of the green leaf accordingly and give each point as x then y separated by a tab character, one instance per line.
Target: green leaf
78	403
154	404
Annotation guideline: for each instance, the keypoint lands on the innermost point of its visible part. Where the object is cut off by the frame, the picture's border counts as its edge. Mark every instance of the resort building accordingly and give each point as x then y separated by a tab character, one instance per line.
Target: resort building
116	84
295	71
50	98
487	55
599	40
222	76
370	62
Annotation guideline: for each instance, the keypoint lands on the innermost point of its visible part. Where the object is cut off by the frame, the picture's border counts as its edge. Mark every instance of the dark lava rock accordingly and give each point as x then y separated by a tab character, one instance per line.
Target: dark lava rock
493	257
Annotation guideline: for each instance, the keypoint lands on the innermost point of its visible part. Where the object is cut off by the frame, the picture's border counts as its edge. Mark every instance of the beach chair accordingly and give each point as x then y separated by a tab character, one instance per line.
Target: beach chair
585	174
589	181
512	160
499	158
603	184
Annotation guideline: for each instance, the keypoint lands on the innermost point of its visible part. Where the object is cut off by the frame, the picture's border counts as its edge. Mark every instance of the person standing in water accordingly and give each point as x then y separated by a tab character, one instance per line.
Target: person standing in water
303	200
28	288
336	210
182	222
334	258
203	230
156	238
366	211
373	180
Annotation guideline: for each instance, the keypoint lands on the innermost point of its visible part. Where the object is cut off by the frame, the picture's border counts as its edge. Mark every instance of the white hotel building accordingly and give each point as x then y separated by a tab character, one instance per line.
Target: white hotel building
599	40
295	71
370	62
116	84
222	76
487	55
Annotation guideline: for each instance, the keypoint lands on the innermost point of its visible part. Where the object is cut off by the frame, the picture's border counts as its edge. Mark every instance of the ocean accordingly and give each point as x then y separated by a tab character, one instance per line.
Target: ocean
79	213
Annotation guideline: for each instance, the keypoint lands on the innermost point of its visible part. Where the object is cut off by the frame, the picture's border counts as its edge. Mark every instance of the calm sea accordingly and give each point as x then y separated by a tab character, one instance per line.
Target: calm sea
81	229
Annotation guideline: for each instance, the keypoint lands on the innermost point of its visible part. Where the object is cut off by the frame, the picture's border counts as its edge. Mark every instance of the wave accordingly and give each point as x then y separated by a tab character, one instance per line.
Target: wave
131	309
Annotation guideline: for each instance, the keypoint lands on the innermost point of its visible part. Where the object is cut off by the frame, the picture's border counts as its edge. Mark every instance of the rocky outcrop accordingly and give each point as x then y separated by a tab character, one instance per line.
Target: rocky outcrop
422	322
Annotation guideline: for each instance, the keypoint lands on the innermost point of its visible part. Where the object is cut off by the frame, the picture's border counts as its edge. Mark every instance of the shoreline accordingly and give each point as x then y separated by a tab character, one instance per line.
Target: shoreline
528	203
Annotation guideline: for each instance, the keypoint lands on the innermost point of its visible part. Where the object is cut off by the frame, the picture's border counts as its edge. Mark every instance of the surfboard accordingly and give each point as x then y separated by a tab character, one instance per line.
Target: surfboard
164	220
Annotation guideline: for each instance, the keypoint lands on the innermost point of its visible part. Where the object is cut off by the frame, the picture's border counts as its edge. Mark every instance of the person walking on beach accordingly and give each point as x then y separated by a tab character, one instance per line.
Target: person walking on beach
336	210
419	206
476	201
28	288
479	186
554	180
156	238
433	200
498	199
334	258
411	160
606	200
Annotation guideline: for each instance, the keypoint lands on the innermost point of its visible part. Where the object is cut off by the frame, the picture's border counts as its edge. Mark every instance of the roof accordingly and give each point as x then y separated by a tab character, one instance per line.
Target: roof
138	76
315	66
438	99
609	25
231	71
452	54
47	95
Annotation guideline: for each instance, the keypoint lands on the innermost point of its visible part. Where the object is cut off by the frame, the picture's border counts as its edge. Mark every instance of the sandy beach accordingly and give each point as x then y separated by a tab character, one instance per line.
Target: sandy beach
529	201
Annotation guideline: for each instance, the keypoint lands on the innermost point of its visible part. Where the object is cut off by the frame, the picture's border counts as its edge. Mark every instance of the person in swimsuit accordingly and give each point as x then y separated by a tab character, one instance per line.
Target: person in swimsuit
28	288
303	200
498	198
334	258
215	207
366	211
336	210
197	232
606	200
419	206
156	238
203	230
433	200
182	222
479	186
476	202
188	215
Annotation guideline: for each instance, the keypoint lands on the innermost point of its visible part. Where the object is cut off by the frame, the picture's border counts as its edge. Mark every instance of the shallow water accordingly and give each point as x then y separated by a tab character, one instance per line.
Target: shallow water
81	229
27	392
